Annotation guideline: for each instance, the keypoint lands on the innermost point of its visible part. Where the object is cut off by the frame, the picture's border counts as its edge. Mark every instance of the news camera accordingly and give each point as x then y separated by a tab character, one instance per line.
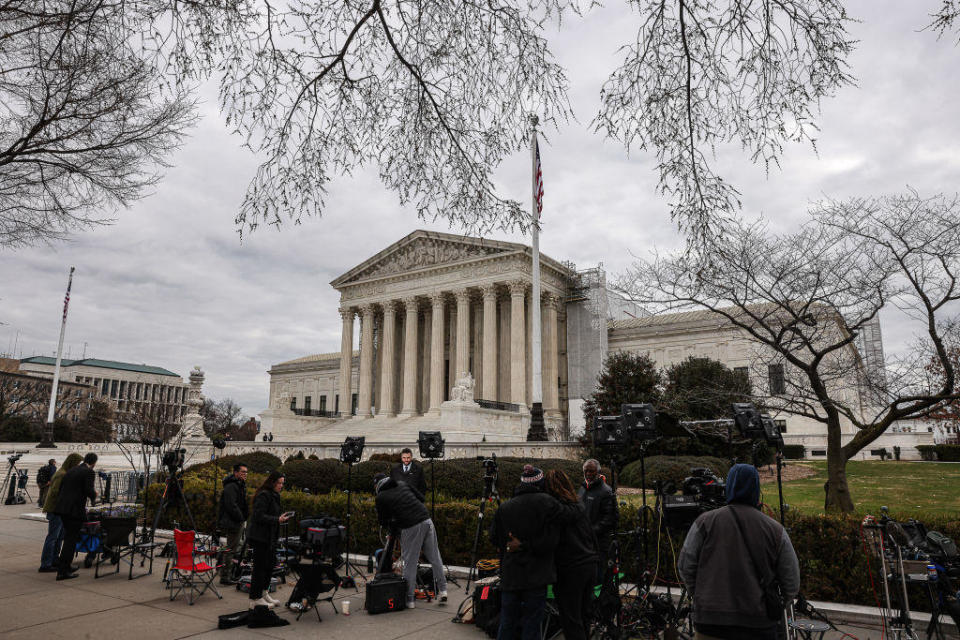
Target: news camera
700	492
173	459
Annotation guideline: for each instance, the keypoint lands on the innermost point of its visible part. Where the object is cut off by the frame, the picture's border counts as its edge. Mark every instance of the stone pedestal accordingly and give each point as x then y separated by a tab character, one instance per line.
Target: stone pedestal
191	429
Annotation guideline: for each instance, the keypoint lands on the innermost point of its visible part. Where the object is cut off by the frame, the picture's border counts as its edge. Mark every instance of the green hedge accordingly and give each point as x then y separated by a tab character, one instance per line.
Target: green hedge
833	564
794	451
941	452
671	469
256	461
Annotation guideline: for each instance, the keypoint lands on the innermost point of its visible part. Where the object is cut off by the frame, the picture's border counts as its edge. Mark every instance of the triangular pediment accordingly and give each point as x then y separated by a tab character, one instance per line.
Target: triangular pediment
423	250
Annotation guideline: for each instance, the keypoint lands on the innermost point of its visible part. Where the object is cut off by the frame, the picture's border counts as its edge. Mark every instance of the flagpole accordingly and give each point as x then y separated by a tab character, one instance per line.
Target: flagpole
47	442
538	430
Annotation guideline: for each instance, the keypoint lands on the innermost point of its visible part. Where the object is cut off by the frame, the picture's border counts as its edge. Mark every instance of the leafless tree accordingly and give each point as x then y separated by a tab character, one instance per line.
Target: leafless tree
84	124
703	74
946	17
803	298
220	417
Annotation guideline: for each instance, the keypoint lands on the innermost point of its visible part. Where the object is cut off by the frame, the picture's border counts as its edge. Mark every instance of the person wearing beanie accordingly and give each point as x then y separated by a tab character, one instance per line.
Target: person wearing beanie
718	563
524	533
401	507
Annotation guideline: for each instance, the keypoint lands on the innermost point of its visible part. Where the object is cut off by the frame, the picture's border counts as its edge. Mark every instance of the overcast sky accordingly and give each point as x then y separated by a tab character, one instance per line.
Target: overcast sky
171	284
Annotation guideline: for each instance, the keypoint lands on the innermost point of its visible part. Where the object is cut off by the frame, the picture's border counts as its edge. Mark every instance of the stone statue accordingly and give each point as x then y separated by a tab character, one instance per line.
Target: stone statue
463	390
192	427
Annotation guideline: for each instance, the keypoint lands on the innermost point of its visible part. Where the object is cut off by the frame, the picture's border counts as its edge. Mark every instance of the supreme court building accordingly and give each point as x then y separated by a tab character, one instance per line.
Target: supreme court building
445	340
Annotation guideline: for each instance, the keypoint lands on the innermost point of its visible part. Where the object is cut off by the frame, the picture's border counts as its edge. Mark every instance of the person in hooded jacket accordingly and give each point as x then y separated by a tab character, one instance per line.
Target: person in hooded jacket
262	535
51	544
717	567
233	513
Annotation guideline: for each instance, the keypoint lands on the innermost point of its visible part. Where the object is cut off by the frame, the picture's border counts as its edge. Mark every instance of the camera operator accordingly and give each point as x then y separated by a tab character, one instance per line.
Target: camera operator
233	513
600	502
401	506
526	538
44	476
76	488
717	566
410	471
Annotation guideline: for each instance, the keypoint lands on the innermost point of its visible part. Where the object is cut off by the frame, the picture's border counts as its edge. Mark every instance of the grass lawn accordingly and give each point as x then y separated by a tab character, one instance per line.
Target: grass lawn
906	487
910	489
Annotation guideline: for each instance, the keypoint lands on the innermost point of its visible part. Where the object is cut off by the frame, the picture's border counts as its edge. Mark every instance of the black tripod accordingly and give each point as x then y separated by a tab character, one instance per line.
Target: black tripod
172	492
348	580
15	483
490	494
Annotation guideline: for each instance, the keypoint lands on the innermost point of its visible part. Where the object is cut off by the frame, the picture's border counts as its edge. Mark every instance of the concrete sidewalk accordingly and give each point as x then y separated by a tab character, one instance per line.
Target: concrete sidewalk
34	606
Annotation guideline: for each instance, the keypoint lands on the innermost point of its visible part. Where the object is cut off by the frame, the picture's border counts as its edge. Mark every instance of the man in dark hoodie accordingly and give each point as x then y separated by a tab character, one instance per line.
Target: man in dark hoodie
528	567
401	507
233	513
716	565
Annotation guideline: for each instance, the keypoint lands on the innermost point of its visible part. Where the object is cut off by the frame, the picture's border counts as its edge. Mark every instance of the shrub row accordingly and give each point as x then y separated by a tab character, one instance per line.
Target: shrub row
671	469
794	451
941	452
832	561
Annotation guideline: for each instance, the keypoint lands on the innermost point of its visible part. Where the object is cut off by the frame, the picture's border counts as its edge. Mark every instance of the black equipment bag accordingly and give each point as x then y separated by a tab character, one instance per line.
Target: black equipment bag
941	546
772	597
231	620
387	592
486	608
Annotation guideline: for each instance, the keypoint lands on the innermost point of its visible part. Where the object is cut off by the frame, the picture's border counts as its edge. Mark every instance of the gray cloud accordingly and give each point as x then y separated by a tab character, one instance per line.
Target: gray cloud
171	283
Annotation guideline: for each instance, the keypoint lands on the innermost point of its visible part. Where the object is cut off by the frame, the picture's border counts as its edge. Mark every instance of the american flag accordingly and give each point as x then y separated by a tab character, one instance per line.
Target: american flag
66	299
538	181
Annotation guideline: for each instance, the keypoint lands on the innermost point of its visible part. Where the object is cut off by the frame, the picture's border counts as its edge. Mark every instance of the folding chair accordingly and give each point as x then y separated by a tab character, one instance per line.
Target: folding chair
187	575
119	545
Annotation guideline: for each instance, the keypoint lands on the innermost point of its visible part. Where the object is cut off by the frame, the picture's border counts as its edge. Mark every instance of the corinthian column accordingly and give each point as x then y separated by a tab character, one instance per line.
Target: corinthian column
387	363
551	392
518	347
365	393
463	333
436	352
489	391
410	386
346	360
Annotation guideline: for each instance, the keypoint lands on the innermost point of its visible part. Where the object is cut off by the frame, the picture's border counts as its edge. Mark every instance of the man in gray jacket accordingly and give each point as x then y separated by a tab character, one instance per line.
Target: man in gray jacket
717	567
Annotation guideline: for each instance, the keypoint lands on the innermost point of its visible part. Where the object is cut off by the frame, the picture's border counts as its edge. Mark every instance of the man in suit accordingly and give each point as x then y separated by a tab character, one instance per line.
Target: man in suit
76	488
410	471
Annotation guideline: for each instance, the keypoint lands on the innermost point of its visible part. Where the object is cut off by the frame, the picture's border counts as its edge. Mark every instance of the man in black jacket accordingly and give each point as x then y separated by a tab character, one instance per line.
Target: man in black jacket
410	471
233	513
76	488
601	504
44	476
525	569
401	507
723	557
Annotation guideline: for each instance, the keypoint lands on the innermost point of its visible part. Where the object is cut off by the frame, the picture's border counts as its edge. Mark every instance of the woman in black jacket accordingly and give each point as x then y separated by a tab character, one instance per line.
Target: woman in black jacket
575	557
262	536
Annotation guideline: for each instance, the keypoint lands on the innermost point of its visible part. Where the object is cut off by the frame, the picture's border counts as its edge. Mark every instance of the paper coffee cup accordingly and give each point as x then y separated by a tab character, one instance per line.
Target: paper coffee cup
346	607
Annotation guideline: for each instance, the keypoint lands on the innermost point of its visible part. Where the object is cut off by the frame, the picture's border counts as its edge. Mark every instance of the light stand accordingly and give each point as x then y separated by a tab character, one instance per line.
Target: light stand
489	495
640	421
431	445
351	451
218	445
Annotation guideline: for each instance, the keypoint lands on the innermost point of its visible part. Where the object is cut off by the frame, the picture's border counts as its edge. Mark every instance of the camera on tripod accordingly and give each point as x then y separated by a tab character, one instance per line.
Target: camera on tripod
706	486
12	459
489	464
173	459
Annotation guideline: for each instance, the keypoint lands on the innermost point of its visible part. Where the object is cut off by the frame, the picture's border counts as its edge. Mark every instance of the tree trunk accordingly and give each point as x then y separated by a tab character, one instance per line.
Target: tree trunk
837	498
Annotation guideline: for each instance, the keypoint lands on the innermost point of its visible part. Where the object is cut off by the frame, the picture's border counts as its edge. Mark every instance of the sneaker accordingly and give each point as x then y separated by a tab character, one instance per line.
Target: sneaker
443	596
259	603
273	601
410	605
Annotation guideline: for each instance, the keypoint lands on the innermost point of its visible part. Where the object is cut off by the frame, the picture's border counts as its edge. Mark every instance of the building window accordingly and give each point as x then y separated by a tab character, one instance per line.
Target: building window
104	386
819	452
336	403
354	403
307	400
323	403
743	371
777	381
293	404
113	389
782	425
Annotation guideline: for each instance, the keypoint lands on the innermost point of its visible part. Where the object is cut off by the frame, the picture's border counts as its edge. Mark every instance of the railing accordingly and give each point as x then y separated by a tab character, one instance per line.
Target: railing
122	486
499	406
316	413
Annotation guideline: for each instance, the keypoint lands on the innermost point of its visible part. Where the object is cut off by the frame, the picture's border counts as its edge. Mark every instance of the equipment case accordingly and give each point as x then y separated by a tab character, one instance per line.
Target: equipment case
387	592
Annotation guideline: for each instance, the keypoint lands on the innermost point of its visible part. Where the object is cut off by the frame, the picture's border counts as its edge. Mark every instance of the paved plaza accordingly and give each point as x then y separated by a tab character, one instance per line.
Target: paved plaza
34	606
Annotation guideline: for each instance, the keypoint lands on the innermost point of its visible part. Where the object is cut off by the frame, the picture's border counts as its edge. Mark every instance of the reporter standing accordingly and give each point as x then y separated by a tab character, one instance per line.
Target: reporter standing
576	557
262	535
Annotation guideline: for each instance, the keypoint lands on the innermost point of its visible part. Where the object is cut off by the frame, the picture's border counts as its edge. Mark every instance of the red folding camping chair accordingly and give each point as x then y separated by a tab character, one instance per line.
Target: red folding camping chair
188	575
